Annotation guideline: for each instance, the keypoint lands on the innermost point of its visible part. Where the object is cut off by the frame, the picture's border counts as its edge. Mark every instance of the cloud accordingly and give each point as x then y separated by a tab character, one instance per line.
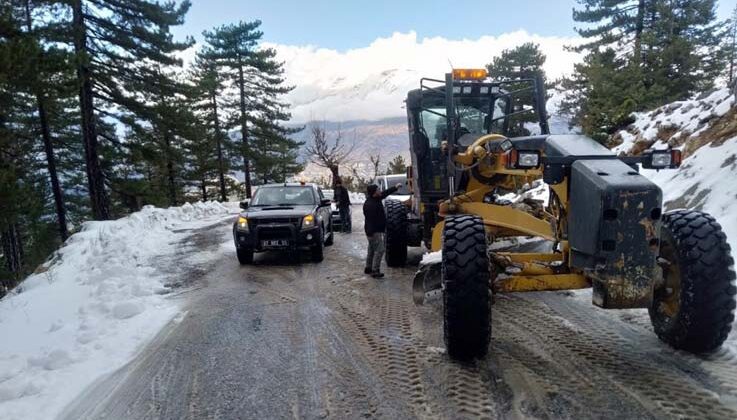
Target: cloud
371	82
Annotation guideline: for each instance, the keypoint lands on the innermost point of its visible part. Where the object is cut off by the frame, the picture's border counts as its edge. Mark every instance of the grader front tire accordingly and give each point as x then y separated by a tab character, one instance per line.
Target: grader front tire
467	295
396	233
694	310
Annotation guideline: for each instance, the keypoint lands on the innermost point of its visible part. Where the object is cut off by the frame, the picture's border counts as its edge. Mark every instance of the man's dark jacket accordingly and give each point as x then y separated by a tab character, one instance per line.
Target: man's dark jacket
373	211
341	197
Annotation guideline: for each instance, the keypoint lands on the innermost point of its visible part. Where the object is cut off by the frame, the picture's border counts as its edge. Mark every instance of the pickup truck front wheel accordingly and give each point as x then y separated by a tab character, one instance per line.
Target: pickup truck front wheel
245	255
318	250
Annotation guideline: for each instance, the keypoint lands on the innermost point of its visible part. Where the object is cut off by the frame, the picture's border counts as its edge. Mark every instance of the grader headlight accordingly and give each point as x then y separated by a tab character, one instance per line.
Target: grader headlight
661	159
523	159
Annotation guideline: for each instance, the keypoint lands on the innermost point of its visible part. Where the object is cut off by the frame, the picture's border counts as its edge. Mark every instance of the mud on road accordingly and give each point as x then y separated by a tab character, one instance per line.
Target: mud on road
284	339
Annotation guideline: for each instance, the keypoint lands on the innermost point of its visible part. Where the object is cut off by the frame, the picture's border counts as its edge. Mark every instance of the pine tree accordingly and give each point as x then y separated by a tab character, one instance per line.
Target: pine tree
601	94
207	87
259	83
731	47
523	62
617	24
397	166
641	54
684	50
115	43
23	191
43	79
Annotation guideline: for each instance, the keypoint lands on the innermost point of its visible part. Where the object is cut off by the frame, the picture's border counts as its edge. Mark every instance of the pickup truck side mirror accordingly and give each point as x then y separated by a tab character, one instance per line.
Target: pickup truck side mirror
244	204
325	202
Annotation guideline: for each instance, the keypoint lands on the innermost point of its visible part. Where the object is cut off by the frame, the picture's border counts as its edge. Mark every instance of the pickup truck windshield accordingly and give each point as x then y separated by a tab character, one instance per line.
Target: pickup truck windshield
283	196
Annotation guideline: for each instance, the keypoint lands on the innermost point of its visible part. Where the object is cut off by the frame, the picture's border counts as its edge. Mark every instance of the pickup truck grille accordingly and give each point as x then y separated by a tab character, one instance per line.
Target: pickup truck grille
281	220
281	232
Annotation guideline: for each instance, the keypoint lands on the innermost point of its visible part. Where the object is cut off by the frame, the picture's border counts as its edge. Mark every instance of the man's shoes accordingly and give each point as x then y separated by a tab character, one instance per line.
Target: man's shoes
368	270
377	275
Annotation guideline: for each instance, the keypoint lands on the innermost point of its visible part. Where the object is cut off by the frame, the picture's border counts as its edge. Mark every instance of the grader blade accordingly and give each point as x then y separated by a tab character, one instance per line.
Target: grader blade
427	284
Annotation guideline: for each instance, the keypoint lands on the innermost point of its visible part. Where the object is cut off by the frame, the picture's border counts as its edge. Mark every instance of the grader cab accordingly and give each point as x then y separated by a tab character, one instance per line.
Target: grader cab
472	141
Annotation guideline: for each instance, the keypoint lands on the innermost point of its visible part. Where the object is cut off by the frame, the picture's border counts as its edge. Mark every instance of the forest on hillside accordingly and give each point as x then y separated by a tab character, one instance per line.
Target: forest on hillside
99	117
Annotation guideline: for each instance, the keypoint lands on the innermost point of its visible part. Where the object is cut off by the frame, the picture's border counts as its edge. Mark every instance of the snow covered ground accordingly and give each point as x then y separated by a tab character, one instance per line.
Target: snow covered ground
705	129
87	311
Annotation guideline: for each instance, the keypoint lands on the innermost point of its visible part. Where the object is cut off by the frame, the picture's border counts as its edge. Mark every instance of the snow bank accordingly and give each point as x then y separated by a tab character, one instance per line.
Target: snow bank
88	310
430	258
707	134
675	123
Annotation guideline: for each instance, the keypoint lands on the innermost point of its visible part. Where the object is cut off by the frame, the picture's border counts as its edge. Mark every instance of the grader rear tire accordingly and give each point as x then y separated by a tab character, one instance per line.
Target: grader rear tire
396	233
467	295
694	310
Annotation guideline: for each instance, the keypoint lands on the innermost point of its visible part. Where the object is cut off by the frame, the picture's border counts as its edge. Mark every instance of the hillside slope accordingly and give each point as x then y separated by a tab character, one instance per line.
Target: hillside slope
705	129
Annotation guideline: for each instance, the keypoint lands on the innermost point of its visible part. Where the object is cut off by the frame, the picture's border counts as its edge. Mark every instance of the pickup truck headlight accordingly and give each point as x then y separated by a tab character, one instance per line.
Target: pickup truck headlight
308	221
242	224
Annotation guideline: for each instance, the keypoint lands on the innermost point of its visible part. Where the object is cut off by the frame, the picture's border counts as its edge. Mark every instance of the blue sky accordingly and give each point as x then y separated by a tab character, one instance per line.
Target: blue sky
345	24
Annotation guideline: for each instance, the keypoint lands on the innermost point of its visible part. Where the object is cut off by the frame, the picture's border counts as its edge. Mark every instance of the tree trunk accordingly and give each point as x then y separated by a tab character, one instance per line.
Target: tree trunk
639	26
171	183
334	171
61	214
219	142
95	179
13	254
244	129
203	186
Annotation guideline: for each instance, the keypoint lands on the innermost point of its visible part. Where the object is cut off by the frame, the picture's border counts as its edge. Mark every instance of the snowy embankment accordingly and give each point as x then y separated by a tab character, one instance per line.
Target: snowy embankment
89	309
705	130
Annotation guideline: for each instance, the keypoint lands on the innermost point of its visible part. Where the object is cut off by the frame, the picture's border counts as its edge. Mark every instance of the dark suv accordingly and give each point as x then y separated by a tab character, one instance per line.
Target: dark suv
283	217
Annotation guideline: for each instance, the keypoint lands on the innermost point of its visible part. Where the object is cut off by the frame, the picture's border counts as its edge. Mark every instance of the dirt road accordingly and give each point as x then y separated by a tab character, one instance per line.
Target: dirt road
286	340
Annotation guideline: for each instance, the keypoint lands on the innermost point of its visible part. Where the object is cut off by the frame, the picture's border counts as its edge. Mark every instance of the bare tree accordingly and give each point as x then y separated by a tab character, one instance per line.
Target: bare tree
329	153
375	163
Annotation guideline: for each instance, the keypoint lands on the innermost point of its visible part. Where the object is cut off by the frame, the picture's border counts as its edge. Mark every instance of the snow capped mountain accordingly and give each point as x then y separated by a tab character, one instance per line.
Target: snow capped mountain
370	83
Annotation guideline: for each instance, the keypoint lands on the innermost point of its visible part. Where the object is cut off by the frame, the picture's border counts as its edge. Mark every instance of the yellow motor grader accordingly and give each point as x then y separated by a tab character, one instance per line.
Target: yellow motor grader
602	226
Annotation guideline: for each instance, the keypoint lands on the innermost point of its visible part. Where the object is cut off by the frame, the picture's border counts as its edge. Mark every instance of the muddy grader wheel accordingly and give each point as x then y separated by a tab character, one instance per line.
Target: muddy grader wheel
467	296
694	309
396	233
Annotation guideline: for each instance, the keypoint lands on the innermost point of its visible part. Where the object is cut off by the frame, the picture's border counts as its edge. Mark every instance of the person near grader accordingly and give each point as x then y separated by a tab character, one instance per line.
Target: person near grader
375	227
343	202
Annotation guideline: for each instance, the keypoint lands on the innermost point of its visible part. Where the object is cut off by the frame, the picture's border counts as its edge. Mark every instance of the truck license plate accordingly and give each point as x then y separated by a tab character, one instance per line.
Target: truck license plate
275	243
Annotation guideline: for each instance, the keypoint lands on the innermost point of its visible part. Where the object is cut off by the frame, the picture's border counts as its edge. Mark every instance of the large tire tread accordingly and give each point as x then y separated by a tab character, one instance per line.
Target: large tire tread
467	295
707	300
396	233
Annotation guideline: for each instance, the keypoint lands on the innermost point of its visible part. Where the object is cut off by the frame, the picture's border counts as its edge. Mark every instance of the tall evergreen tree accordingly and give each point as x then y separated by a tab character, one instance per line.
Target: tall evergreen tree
207	87
522	62
257	77
397	166
616	24
641	54
48	69
115	43
685	54
23	191
730	45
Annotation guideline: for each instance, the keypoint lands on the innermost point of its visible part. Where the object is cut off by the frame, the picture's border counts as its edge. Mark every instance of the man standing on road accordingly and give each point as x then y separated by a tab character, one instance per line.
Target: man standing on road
343	202
375	226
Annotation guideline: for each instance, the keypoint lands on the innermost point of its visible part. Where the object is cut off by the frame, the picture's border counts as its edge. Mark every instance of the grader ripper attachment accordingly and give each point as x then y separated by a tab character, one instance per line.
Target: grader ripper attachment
601	227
